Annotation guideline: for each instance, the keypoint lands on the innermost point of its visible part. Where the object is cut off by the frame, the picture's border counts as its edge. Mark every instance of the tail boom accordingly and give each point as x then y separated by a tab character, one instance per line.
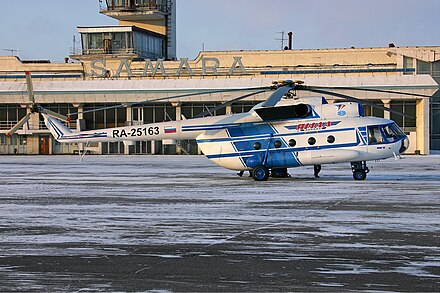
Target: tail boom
174	130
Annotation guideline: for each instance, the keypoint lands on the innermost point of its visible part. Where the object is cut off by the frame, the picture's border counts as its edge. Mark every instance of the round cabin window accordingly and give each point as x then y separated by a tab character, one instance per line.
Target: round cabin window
330	139
257	145
312	141
292	142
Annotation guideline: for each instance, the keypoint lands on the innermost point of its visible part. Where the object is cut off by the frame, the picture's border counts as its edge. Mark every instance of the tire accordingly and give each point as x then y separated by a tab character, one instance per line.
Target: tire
260	173
359	175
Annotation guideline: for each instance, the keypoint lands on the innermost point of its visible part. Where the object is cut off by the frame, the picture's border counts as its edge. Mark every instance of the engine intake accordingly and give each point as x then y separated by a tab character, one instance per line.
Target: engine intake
284	112
302	110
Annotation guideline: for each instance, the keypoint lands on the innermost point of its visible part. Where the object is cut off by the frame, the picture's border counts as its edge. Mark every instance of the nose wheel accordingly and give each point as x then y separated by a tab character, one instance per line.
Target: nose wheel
360	170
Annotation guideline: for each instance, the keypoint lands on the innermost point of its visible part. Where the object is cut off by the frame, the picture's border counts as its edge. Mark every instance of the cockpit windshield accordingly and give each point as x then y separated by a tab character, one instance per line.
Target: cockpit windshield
384	133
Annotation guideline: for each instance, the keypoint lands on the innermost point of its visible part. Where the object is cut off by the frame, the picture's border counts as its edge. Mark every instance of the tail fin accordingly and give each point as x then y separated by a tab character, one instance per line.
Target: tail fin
55	127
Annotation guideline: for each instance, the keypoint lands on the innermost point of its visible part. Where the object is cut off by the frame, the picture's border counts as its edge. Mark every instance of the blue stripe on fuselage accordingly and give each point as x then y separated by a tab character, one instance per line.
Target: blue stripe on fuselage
266	136
57	130
249	129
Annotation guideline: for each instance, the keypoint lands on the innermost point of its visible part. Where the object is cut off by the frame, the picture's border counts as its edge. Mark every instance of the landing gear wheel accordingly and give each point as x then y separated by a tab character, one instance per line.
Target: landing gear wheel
359	170
359	175
260	173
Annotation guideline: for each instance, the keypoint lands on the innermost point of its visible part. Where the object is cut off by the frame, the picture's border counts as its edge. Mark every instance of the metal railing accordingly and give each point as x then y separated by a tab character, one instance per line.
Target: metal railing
6	125
42	125
108	51
133	5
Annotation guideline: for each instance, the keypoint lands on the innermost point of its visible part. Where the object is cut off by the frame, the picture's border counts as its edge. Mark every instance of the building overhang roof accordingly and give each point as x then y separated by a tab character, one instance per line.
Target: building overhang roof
120	91
116	29
105	29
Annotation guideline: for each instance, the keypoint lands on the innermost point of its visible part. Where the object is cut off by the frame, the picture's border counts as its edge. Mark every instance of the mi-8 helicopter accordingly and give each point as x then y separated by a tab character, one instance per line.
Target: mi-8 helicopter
282	132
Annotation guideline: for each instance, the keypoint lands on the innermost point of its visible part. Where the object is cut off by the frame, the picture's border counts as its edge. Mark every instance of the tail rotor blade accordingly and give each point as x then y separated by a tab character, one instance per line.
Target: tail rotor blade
30	87
55	114
18	125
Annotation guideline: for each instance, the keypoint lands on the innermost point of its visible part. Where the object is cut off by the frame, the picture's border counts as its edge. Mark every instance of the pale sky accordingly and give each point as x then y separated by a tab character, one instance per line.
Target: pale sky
44	29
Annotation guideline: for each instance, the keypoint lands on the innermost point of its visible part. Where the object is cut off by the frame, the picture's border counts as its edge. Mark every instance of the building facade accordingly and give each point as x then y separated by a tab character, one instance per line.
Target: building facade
103	82
136	61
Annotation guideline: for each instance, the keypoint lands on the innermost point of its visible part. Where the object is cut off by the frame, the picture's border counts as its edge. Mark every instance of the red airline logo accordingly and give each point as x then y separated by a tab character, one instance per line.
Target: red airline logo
313	126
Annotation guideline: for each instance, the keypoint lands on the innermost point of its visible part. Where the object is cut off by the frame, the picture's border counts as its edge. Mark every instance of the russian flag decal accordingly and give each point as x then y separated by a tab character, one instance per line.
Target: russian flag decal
170	130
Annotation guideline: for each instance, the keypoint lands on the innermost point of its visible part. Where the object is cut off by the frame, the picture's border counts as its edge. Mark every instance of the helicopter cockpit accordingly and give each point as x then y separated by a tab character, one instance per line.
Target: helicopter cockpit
388	133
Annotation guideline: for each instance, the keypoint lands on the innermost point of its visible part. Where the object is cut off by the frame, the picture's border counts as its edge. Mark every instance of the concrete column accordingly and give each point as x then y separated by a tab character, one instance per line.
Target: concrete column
153	147
34	121
33	140
422	126
228	110
51	144
386	104
178	118
129	113
80	123
27	126
80	110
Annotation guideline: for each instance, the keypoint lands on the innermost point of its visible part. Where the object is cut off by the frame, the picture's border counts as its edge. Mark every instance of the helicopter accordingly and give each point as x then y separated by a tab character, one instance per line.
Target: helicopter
284	131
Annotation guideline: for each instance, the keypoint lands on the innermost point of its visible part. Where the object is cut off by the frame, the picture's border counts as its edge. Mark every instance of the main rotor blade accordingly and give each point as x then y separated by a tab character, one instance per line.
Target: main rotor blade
369	89
54	114
225	104
353	99
18	125
277	96
170	98
30	87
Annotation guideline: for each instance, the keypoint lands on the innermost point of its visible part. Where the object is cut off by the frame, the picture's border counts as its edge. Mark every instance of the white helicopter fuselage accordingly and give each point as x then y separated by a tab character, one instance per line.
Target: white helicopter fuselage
330	133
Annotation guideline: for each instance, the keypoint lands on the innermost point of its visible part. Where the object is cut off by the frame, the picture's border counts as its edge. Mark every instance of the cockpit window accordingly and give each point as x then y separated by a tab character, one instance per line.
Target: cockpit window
390	135
396	129
382	134
374	135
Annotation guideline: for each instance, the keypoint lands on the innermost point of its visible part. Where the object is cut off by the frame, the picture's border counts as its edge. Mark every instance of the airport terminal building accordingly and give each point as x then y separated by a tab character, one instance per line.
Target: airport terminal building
136	61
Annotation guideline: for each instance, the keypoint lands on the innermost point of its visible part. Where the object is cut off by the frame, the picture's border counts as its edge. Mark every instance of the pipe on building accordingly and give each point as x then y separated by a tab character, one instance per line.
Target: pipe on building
290	40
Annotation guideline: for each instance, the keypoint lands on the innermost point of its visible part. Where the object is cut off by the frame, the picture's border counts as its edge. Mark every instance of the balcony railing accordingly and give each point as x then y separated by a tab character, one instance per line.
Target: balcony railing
6	125
135	5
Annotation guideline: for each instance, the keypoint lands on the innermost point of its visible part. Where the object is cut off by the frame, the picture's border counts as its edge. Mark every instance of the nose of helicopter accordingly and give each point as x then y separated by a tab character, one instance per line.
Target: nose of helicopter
405	145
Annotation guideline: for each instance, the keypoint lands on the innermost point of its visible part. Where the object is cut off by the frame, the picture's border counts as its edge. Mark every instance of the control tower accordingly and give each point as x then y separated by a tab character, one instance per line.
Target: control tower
147	29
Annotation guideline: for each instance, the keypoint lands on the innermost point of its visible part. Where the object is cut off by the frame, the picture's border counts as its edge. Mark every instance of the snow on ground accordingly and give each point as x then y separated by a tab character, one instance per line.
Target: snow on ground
179	223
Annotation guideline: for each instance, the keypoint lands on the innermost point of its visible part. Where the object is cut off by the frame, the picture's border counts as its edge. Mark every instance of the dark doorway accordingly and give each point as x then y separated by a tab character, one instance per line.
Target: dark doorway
44	145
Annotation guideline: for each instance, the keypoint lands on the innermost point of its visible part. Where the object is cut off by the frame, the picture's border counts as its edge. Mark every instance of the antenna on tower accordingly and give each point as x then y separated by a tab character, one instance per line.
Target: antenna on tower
76	46
282	39
13	51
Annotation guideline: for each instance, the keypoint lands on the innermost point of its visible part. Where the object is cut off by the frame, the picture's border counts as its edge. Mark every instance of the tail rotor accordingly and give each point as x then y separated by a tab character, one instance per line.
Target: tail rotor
34	108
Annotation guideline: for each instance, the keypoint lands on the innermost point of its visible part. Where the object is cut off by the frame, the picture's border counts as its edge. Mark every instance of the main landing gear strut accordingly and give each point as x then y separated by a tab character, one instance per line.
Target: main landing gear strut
262	173
360	170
